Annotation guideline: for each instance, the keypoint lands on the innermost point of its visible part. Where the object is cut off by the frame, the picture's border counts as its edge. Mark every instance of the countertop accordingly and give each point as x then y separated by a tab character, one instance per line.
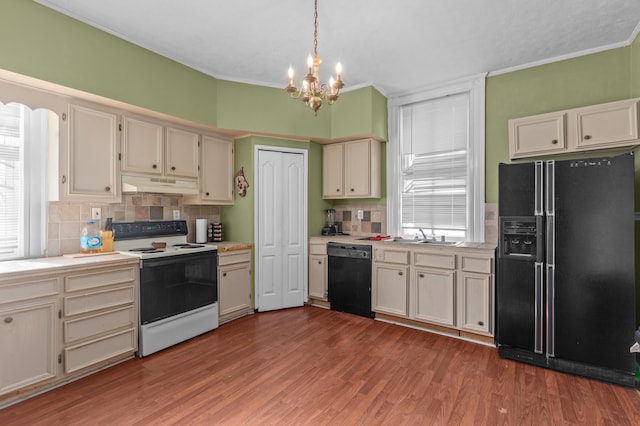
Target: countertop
12	268
358	239
224	246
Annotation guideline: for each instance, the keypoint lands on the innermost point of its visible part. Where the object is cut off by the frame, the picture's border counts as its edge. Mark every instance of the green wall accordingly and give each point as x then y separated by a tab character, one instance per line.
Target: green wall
38	42
586	80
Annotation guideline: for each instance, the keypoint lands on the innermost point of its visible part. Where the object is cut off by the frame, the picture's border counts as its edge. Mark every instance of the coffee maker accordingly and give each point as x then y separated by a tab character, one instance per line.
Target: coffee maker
331	228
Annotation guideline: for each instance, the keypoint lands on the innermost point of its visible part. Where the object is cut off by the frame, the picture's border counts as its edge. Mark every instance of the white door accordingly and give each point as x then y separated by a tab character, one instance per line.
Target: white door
281	228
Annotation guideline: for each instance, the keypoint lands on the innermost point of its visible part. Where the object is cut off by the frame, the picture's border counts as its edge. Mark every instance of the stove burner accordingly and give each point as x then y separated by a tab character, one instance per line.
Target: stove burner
188	246
146	250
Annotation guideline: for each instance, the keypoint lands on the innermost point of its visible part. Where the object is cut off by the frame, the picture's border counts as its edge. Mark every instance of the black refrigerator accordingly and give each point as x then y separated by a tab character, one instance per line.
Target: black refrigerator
565	284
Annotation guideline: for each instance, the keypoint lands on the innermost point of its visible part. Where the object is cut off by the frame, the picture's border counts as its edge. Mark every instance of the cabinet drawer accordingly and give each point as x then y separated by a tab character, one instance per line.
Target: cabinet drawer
94	301
434	260
387	255
318	248
231	257
87	354
82	328
476	264
91	280
29	290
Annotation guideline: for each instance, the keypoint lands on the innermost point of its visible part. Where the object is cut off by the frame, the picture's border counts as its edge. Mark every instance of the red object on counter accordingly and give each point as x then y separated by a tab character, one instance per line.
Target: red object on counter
380	237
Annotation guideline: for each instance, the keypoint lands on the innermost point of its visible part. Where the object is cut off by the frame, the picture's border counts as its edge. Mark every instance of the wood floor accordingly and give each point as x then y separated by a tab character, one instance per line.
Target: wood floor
311	366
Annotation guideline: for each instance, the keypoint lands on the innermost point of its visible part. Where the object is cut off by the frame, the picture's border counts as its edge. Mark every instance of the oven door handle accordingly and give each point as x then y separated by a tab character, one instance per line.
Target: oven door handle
178	258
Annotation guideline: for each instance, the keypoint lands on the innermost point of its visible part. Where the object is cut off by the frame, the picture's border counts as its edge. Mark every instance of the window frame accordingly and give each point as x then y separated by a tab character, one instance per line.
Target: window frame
474	87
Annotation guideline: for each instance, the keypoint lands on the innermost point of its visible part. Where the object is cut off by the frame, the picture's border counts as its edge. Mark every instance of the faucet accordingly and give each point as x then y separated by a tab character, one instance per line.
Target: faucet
423	234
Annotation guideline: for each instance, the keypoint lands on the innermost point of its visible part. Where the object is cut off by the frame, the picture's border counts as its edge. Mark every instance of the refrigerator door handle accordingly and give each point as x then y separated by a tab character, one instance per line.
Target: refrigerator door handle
539	189
550	204
539	306
551	348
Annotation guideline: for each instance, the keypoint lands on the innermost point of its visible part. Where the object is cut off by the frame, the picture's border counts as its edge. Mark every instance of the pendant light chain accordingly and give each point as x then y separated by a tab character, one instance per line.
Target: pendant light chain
315	30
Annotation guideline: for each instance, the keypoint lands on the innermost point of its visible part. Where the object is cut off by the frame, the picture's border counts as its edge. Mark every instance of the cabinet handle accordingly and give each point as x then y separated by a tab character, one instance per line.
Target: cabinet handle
555	141
64	179
224	274
173	167
337	189
587	137
399	272
206	193
480	323
421	275
8	320
107	188
352	189
319	262
155	166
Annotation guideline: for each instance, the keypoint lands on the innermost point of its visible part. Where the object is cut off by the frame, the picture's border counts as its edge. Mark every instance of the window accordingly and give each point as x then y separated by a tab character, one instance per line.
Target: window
435	163
23	172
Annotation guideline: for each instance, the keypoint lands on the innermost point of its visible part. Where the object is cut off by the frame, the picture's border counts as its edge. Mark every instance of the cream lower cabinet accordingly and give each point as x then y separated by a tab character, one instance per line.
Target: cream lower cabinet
476	293
390	287
99	317
28	333
433	288
318	270
234	284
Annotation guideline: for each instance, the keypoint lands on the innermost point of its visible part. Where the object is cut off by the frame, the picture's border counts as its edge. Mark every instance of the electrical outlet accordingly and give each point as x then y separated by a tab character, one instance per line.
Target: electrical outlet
96	213
360	214
176	215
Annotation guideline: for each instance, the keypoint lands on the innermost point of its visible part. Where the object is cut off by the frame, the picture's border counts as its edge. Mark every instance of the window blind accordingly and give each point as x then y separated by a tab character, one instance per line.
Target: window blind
434	166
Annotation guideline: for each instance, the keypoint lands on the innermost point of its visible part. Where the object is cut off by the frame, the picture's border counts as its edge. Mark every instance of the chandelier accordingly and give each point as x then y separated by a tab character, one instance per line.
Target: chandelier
313	92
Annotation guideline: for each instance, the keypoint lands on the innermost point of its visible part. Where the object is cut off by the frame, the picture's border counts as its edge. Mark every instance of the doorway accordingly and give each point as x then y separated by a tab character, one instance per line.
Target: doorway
280	227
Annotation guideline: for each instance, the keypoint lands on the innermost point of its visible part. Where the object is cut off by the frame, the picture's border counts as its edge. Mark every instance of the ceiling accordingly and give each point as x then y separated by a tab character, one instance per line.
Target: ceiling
395	45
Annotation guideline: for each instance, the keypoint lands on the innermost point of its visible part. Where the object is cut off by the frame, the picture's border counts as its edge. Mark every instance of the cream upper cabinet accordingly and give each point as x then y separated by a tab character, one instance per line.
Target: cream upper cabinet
332	171
152	148
142	146
89	169
216	172
603	126
28	332
234	284
542	134
352	169
182	153
607	125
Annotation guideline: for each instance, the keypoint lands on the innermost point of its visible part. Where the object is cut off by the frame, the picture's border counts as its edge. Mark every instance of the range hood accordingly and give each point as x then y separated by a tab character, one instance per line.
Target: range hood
133	184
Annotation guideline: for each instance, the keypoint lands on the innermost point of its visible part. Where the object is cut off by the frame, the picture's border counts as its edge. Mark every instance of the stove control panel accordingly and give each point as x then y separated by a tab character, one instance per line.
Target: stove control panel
128	230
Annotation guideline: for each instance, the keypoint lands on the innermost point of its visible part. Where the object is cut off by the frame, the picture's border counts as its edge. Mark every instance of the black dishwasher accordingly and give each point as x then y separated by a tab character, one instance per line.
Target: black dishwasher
350	278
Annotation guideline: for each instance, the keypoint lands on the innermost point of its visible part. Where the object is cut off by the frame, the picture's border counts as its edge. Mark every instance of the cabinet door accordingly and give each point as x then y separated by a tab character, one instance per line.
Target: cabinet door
357	169
607	125
475	302
216	182
390	288
142	146
538	135
28	348
318	276
434	296
91	170
182	151
234	284
332	171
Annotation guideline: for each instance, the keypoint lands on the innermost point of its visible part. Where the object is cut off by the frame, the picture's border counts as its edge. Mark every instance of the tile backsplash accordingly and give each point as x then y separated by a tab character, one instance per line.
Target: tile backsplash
66	218
374	220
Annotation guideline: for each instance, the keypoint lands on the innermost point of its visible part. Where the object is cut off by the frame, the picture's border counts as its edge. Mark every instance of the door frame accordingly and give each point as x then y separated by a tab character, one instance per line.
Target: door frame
256	222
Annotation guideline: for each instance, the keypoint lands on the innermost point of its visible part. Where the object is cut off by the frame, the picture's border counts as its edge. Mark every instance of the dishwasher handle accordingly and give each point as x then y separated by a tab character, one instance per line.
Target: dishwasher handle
356	251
